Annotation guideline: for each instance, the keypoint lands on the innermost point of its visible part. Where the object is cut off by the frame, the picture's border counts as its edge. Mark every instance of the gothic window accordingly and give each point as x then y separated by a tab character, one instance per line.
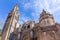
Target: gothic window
28	26
9	16
46	22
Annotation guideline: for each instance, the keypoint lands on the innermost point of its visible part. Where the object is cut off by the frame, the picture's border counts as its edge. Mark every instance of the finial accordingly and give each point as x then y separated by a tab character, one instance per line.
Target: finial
16	5
44	11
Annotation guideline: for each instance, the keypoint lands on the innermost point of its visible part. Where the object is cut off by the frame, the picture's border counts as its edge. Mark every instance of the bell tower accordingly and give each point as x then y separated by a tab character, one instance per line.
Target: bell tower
10	24
46	19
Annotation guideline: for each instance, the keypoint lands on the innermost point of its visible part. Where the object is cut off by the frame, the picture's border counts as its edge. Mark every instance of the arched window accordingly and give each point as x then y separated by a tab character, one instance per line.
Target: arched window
46	22
28	26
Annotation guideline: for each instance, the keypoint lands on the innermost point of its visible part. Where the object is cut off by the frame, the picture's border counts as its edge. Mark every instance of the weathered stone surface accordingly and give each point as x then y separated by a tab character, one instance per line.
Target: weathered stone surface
45	29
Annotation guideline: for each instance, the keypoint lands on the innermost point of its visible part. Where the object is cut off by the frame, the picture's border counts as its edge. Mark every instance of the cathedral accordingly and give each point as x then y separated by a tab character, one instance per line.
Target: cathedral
45	29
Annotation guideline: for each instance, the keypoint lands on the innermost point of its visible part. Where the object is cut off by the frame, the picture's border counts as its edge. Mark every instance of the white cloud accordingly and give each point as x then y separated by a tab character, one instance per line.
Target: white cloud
51	6
48	5
36	16
27	6
24	18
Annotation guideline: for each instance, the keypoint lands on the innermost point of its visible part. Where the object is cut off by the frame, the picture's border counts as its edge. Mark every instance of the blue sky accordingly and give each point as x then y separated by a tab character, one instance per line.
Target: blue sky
29	9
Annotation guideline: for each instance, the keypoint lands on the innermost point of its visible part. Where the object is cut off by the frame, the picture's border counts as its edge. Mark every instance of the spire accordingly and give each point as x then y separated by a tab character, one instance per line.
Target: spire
44	11
16	7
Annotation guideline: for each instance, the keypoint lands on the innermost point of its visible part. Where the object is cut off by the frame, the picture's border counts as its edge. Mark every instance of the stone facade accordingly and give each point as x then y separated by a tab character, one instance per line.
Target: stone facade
10	24
45	29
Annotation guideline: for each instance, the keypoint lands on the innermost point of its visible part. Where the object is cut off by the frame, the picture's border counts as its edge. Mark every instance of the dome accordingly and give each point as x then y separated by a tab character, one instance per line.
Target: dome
46	19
